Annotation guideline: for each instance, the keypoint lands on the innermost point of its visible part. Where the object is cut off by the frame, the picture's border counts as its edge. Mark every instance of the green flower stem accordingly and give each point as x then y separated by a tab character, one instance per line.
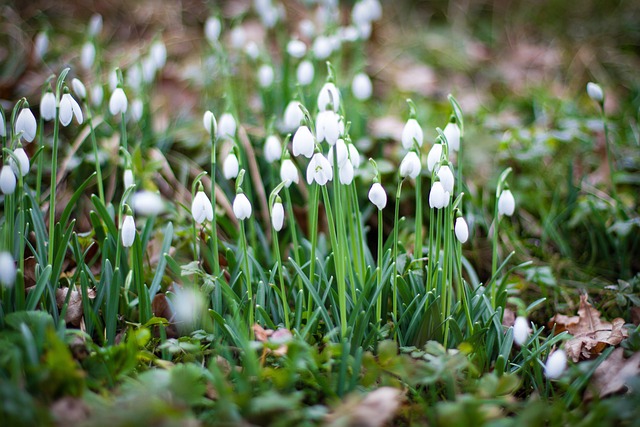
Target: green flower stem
40	159
52	189
313	223
294	233
436	248
20	301
379	269
123	132
217	293
432	259
614	191
446	276
395	251
359	226
494	239
283	292
340	230
247	277
94	143
460	288
417	252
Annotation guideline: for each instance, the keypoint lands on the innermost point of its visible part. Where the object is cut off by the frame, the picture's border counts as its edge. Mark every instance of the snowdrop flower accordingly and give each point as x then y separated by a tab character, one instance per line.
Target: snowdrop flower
461	230
22	168
322	47
265	76
128	231
434	156
7	180
252	50
26	123
556	364
293	115
237	37
48	106
361	87
187	304
452	133
79	89
327	127
127	178
241	207
303	142
329	95
307	28
305	73
69	108
147	203
348	34
7	269
438	197
354	155
118	102
296	48
410	165
95	25
595	92
113	80
342	153
212	29
521	330
366	11
137	108
272	149
227	126
87	55
158	54
506	203
411	131
97	93
41	44
446	178
346	173
277	216
201	207
230	167
3	125
289	173
378	196
319	170
209	122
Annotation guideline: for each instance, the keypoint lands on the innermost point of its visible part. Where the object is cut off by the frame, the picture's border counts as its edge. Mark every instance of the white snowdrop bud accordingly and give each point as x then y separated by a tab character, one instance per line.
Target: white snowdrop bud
411	131
134	76
26	123
327	127
41	44
147	203
158	53
296	48
201	208
364	30
348	34
148	69
446	178
289	173
128	231
69	108
319	170
346	173
434	156
277	216
187	305
97	93
438	197
237	37
7	180
361	87
87	55
556	364
48	106
305	73
329	96
354	156
521	330
241	207
307	28
118	102
293	115
322	47
378	196
595	92
227	126
3	125
230	167
7	269
272	149
95	25
452	133
265	76
22	168
410	165
79	89
303	142
342	153
461	230
127	178
113	80
137	108
252	50
506	203
209	122
212	29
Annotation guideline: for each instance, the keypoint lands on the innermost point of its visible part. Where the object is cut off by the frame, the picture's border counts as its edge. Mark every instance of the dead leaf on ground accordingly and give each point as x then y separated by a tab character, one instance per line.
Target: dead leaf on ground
591	335
612	374
69	411
376	409
74	308
280	337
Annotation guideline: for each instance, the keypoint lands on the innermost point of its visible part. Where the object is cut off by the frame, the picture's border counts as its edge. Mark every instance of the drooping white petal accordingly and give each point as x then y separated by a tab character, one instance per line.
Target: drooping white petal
7	269
438	197
272	149
506	203
452	133
305	73
230	167
22	168
127	178
277	216
147	203
303	142
212	29
79	88
128	231
411	131
446	178
556	364
319	170
361	87
209	122
410	165
241	207
66	110
201	208
461	230
289	172
378	196
434	156
595	92
342	153
227	126
327	127
346	173
329	96
48	106
26	123
118	102
87	55
521	330
265	76
293	115
296	48
7	180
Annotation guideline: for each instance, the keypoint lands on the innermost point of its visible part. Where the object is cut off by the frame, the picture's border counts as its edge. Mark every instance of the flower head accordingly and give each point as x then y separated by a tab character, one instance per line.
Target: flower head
319	170
293	115
201	207
265	76
438	197
595	92
346	173
118	102
48	106
212	29
127	178
329	98
361	87
230	167
227	126
241	207
289	172
277	216
209	122
296	48
69	108
7	269
434	156
26	123
506	203
446	178
556	364
7	180
461	230
79	88
410	165
410	133
452	133
354	155
128	231
521	330
87	55
378	196
272	149
327	127
303	142
22	168
305	73
342	153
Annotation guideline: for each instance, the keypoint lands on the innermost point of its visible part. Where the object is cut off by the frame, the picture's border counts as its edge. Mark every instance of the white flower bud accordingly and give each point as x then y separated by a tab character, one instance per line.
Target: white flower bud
48	106
293	115
272	149
595	92
209	122
327	127
87	55
319	170
277	216
342	153
289	173
410	165
329	95
346	173
265	76
95	25
41	44
556	364
378	196
227	126
322	47
137	108
97	94
128	231
307	28
411	131
127	178
158	54
434	156
303	142
7	180
230	167
118	102
446	178
238	37
252	50
69	108
22	168
354	156
506	203
212	29
26	123
305	73
296	48
461	230
201	208
241	207
438	197
147	203
79	89
7	269
521	330
452	133
361	87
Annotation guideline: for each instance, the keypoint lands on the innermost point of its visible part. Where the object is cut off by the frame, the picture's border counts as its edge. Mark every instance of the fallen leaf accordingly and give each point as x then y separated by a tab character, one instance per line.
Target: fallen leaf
591	335
612	374
74	308
69	411
376	409
280	337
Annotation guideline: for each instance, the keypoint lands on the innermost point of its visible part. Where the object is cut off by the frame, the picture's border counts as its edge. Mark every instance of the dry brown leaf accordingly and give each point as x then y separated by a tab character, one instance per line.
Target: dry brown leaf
74	308
612	374
591	335
375	410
